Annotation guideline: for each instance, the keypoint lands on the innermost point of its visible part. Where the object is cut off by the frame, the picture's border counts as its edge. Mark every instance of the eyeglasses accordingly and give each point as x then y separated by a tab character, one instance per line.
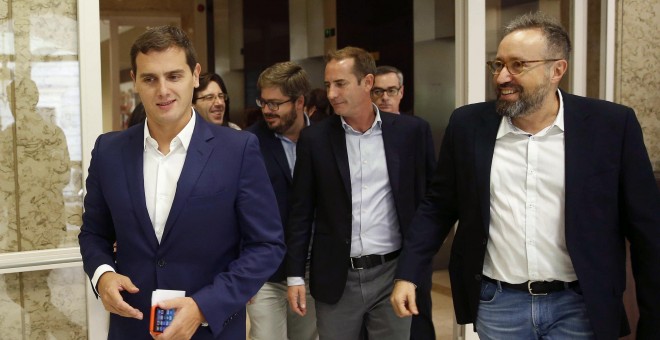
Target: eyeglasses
273	106
391	91
212	97
515	67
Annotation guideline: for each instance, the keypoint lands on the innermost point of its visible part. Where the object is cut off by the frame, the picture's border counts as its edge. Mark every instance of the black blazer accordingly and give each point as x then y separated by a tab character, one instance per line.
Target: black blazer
322	194
277	166
611	195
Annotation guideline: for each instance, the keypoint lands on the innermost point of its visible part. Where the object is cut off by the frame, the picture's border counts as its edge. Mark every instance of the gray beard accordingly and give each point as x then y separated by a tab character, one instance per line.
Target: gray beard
524	106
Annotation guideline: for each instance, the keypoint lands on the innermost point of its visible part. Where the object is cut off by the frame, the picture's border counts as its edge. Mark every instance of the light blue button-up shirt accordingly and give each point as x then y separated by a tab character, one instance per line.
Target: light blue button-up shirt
375	227
290	147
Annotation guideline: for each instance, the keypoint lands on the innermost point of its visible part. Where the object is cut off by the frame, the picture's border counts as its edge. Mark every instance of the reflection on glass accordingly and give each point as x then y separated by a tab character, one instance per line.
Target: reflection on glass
43	169
43	304
40	144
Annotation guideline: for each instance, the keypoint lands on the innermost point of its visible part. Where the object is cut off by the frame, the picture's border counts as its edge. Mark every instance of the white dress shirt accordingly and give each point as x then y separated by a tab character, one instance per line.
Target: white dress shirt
527	213
161	174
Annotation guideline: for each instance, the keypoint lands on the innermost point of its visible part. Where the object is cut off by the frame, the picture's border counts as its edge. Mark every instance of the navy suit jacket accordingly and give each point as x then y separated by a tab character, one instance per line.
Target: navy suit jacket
322	194
610	195
279	173
223	238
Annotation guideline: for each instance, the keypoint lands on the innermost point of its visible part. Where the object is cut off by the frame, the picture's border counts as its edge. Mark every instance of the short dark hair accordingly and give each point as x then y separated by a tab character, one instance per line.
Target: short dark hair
161	38
386	69
364	63
288	76
559	43
204	81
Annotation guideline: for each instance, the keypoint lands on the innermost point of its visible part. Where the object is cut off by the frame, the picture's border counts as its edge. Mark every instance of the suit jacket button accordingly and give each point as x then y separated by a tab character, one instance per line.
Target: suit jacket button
161	263
477	277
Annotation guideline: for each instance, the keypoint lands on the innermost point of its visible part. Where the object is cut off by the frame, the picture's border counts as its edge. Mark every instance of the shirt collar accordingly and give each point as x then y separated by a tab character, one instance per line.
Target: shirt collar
185	135
377	122
506	126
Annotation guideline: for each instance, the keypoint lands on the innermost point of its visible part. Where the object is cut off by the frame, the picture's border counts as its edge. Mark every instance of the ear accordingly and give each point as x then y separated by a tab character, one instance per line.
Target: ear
558	70
369	80
401	91
300	104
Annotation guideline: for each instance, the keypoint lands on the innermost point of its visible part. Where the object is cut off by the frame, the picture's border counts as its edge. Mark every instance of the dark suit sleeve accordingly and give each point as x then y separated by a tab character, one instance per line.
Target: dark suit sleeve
430	154
262	243
641	219
97	234
434	218
301	215
422	324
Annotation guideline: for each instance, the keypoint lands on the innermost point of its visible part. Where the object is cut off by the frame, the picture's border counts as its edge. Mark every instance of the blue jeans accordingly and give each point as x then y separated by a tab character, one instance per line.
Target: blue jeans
506	313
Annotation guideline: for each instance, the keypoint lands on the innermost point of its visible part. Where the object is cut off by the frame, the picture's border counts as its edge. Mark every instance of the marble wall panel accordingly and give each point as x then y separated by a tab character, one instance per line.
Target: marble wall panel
41	163
47	304
637	77
40	180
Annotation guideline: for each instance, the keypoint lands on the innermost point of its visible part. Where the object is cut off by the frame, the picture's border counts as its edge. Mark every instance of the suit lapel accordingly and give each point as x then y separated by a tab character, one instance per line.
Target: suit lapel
485	134
274	145
577	146
338	142
133	157
392	157
197	155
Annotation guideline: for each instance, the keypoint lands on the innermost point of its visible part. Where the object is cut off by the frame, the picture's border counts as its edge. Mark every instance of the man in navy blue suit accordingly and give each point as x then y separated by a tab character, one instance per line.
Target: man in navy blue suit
188	204
358	179
282	89
546	187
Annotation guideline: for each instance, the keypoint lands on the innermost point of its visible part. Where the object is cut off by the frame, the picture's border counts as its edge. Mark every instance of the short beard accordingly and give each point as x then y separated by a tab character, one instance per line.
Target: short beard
286	122
527	103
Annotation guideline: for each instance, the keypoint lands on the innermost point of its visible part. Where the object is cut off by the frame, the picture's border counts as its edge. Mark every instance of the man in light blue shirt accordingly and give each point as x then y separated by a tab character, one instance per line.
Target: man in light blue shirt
282	89
358	179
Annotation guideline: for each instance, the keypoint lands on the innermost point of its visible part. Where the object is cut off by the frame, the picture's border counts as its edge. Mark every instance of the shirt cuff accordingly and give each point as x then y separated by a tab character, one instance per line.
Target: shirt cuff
102	269
295	281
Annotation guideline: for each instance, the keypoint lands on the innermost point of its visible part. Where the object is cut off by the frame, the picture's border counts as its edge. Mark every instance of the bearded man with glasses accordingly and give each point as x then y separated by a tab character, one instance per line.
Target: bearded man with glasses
546	188
282	88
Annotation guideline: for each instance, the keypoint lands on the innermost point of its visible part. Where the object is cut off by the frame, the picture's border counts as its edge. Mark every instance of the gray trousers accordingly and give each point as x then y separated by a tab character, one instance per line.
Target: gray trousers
271	318
364	306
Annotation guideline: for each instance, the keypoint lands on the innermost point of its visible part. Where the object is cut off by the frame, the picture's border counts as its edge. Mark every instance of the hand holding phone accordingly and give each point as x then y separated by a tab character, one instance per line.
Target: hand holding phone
160	319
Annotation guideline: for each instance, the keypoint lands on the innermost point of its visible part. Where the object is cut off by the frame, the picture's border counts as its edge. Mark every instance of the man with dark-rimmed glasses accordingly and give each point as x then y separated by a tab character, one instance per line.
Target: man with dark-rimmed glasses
546	188
282	88
388	89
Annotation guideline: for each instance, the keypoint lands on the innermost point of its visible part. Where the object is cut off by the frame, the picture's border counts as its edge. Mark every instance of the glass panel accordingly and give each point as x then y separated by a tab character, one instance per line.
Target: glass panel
40	141
500	12
435	65
593	49
48	304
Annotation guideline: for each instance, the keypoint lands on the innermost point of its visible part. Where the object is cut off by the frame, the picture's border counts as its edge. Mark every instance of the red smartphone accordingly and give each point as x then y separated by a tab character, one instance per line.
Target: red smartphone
160	319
